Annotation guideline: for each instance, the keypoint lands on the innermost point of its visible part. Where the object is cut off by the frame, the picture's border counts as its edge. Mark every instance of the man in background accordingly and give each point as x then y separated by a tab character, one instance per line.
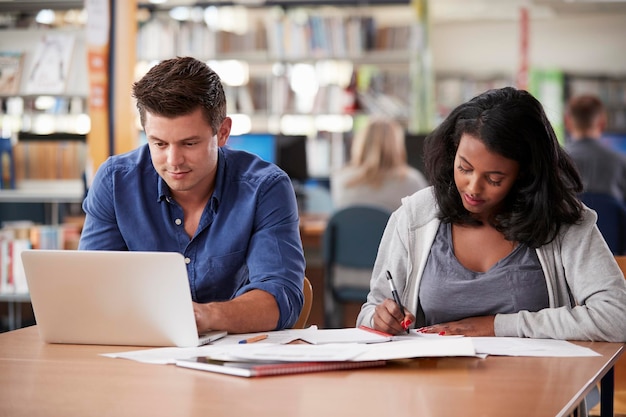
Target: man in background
602	169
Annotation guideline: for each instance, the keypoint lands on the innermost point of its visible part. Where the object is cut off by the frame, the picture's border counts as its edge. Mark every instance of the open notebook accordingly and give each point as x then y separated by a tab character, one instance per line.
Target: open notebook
112	298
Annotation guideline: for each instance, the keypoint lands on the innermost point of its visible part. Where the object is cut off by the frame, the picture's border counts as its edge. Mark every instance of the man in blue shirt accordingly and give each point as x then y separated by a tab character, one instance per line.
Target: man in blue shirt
232	215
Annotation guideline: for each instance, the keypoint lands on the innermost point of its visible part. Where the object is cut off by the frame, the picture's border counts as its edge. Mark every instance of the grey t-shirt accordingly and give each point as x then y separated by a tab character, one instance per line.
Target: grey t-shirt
449	291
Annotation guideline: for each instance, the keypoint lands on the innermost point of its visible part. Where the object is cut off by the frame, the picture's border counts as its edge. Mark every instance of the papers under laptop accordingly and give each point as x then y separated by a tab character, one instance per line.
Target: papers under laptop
112	298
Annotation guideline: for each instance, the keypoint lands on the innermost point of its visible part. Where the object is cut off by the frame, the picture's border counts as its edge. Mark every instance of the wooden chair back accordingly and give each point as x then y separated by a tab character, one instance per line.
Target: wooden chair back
621	261
307	289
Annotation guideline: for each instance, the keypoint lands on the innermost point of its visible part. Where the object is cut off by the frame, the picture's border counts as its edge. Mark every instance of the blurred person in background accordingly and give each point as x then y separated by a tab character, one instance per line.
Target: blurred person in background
602	169
378	173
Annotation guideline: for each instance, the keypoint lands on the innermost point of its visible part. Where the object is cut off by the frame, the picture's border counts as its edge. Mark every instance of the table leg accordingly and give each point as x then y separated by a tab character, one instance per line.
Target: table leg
607	391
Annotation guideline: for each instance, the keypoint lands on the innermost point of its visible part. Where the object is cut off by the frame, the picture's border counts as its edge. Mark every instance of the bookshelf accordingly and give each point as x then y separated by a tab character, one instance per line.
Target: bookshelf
297	67
453	89
44	120
34	44
43	126
44	111
296	58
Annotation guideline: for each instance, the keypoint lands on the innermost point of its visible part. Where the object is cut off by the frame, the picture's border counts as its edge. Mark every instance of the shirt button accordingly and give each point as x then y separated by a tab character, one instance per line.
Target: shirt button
187	260
178	222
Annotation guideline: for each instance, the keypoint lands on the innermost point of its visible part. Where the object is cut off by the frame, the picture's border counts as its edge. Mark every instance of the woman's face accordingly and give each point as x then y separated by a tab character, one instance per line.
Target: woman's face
483	178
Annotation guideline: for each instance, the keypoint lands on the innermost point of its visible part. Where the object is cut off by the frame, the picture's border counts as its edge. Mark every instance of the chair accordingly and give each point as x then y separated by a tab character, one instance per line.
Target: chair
350	240
621	261
307	289
611	219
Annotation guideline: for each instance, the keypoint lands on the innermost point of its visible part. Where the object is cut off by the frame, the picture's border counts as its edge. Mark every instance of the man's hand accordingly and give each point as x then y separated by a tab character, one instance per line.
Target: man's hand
254	311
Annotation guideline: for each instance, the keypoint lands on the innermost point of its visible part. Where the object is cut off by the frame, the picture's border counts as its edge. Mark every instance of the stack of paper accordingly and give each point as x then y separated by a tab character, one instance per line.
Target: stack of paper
273	368
314	350
313	345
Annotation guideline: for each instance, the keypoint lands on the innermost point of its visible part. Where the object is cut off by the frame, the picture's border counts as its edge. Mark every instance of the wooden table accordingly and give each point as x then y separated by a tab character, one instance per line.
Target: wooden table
38	379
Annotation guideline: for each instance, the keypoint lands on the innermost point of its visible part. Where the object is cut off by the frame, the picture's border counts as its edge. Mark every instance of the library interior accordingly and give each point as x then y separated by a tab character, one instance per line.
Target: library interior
302	79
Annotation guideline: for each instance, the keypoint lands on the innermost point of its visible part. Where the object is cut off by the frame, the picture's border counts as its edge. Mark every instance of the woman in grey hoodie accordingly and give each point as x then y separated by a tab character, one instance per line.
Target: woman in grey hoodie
499	244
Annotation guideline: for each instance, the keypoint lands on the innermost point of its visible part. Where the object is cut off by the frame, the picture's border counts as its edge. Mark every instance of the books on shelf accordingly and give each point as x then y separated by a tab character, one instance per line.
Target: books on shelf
7	164
279	35
332	36
163	37
259	369
49	160
274	41
19	235
12	242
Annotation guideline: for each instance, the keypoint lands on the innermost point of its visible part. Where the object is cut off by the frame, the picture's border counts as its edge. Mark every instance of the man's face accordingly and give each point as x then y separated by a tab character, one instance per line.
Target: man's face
184	151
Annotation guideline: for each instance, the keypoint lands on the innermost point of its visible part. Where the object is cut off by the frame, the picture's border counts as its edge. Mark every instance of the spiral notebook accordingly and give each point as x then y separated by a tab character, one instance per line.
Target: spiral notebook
257	369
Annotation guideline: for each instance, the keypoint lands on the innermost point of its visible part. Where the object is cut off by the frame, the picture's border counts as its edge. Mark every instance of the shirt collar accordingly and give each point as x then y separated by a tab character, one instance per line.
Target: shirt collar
220	179
164	190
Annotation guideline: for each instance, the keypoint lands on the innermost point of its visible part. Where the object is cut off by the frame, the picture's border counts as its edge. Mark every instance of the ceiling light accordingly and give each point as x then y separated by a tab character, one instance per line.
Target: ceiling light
45	17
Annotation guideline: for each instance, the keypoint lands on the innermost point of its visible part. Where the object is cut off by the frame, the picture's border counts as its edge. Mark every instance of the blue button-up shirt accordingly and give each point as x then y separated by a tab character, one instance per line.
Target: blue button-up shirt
248	236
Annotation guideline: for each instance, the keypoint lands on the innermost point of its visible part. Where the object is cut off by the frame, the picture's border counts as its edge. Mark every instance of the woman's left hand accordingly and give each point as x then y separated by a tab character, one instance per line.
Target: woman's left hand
472	326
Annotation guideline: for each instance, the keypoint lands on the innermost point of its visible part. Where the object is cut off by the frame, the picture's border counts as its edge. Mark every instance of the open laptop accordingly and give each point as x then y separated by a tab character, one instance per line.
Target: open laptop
112	298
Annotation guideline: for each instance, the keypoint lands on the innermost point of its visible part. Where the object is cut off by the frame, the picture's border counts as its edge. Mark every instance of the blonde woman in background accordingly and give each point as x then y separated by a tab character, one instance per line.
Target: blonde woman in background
377	173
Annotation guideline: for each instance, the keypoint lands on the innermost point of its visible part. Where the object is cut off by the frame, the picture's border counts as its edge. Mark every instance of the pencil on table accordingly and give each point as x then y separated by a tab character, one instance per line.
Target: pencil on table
254	339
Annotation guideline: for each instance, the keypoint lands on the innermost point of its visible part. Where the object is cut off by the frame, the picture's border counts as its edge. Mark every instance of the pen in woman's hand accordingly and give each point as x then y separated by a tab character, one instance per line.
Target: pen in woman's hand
396	298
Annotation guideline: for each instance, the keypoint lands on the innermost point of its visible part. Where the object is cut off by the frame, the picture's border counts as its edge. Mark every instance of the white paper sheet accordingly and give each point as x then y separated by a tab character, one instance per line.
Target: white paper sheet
419	348
514	346
314	336
328	352
160	356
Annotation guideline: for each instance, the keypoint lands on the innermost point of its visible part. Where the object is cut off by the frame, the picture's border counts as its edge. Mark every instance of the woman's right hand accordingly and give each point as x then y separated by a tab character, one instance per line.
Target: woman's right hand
388	318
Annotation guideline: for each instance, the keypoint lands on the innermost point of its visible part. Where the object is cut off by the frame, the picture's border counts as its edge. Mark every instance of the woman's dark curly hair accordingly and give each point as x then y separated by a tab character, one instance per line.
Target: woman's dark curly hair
511	123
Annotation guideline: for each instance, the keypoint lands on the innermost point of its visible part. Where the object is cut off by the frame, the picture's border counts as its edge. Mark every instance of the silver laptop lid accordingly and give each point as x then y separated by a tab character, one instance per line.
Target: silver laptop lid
110	297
